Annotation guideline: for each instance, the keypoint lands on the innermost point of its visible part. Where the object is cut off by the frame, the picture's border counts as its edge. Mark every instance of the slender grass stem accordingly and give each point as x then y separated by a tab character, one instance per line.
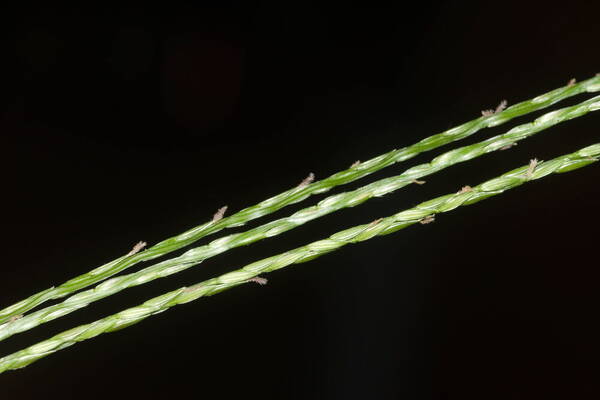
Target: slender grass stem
421	213
326	206
297	194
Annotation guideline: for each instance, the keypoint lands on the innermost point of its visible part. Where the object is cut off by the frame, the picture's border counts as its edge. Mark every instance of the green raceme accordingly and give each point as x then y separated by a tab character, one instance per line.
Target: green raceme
326	206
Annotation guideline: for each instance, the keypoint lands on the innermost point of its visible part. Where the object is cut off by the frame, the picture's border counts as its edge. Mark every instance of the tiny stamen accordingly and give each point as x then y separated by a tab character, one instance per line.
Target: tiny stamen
372	224
258	279
136	249
427	220
501	107
307	181
532	164
508	146
219	214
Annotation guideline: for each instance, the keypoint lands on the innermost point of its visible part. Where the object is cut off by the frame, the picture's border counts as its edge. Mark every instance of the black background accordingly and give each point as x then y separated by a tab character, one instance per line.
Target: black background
127	124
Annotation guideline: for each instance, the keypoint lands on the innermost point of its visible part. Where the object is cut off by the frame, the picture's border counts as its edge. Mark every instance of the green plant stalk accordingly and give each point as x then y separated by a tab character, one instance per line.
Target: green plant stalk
326	206
420	213
297	194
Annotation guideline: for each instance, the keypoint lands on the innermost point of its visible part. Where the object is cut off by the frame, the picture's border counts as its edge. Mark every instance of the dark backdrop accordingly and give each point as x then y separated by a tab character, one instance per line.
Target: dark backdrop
127	124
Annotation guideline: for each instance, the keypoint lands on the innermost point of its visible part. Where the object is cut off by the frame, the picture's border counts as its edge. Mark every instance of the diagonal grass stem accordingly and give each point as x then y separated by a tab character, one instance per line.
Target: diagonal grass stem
331	204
